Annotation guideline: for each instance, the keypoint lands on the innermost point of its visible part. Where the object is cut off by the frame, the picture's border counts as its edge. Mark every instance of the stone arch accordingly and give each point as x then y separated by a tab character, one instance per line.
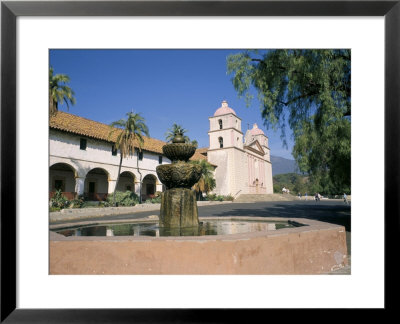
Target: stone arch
126	181
149	186
62	177
96	184
220	123
221	142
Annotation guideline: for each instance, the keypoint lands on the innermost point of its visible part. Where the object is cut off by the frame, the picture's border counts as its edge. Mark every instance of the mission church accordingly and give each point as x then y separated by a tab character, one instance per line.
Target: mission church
84	161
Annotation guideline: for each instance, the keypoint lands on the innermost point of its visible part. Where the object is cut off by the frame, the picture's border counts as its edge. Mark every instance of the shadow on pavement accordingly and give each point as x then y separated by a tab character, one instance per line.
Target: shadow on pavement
335	214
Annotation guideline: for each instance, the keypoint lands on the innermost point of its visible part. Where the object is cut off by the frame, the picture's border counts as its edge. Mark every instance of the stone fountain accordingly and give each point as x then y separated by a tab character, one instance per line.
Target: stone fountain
178	203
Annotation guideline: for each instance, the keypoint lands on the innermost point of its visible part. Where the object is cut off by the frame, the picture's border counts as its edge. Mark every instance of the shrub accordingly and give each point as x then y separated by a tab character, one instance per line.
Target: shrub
77	203
214	197
127	198
156	200
104	204
59	200
211	197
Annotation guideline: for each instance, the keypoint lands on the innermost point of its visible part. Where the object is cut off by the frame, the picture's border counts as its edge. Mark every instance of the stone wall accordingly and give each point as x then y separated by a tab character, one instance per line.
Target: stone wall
314	249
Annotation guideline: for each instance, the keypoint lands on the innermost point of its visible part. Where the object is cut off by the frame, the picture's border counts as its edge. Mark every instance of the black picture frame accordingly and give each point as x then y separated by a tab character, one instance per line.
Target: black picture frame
10	10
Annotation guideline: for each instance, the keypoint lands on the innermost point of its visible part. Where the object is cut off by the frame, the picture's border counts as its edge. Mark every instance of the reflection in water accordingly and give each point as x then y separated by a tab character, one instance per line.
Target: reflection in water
210	227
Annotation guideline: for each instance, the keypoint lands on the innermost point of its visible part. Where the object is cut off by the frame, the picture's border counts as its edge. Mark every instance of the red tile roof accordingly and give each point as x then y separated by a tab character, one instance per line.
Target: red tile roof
85	127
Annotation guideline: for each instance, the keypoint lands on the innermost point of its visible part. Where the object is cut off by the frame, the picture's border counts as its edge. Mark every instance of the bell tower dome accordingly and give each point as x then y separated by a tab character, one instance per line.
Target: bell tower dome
257	134
225	128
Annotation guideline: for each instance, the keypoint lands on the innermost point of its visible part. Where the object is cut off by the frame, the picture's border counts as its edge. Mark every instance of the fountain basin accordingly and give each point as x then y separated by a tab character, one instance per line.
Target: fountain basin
179	151
206	227
313	249
179	175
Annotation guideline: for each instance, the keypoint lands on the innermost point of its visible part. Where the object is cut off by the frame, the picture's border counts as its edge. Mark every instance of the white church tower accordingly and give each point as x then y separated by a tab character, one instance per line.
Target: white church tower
260	166
226	150
242	167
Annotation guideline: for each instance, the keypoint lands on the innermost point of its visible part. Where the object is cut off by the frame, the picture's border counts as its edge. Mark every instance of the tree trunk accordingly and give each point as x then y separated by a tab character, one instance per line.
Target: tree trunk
116	184
53	106
140	178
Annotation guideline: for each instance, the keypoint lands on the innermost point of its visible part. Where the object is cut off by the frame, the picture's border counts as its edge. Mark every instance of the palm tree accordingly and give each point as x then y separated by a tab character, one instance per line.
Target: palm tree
132	130
175	130
59	92
207	181
194	142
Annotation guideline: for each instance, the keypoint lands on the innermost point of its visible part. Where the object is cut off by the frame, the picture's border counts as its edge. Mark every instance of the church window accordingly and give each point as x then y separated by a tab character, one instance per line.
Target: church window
221	142
114	150
83	144
220	123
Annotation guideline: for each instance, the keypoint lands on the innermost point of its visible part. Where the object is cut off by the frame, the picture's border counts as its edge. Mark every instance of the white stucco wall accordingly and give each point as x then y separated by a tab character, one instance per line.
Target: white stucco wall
220	158
231	137
268	179
228	121
240	173
65	148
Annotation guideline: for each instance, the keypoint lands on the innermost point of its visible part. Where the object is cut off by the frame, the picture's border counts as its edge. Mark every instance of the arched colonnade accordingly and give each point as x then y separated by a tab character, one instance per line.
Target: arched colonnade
96	181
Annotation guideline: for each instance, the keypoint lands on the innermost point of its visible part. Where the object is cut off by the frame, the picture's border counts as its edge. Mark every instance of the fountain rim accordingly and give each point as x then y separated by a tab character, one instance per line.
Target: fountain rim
312	225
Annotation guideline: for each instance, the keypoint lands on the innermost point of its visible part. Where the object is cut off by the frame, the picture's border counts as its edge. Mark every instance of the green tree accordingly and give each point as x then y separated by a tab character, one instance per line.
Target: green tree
176	130
298	184
194	142
130	134
207	182
310	91
59	91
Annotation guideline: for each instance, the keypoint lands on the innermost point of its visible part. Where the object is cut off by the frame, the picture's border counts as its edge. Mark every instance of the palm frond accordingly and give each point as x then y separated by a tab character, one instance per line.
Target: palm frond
131	136
59	91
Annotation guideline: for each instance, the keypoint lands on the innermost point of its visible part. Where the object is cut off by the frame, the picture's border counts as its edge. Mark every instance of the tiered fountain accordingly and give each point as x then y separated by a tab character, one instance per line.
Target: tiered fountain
179	213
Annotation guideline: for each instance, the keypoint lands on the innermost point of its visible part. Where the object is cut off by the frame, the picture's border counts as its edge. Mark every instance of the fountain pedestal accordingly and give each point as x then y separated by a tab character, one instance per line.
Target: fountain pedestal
179	208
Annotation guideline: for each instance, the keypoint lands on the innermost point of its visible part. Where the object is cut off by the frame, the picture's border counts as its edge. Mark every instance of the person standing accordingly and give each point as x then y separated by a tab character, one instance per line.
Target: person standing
345	199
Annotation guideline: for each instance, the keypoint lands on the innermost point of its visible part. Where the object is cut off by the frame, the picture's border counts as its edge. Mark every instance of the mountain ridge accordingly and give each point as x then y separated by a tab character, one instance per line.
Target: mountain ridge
282	165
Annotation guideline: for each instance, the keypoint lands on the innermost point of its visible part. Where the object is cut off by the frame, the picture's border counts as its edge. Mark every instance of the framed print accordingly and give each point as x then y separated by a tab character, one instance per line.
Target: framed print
228	22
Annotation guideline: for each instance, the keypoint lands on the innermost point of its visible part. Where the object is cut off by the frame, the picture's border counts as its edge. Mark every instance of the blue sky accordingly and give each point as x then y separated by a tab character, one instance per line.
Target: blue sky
164	86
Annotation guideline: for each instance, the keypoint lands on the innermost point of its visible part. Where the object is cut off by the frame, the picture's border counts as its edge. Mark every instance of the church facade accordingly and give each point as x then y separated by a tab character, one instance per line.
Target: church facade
83	161
243	161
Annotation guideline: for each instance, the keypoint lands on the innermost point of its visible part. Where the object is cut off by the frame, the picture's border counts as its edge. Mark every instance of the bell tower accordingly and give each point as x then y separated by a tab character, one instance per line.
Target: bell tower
257	134
225	129
226	150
